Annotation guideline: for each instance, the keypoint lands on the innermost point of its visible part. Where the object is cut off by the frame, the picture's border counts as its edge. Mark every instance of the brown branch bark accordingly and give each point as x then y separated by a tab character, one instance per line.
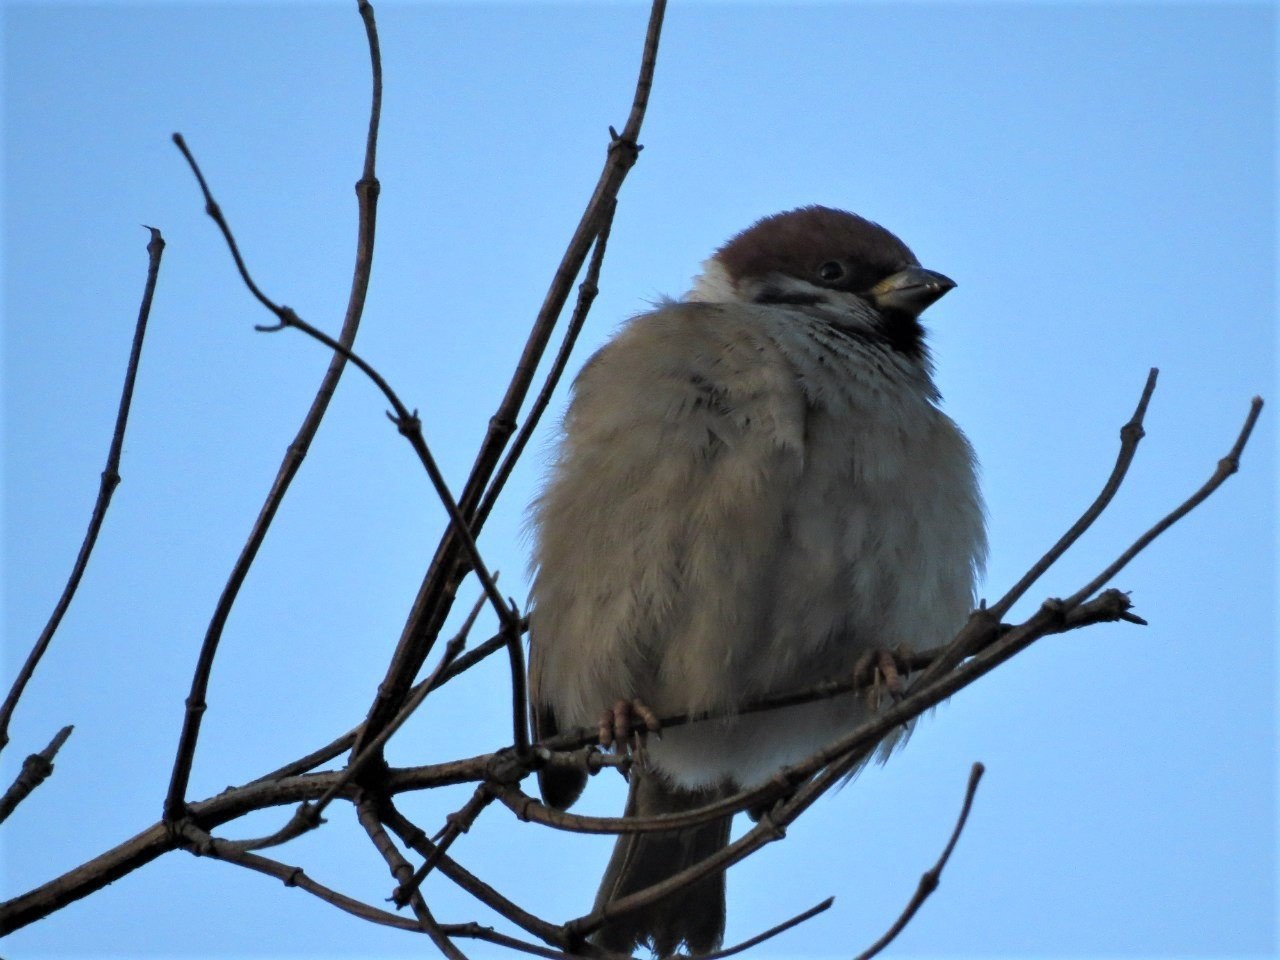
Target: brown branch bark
457	824
36	769
202	844
367	810
440	584
453	667
415	837
230	805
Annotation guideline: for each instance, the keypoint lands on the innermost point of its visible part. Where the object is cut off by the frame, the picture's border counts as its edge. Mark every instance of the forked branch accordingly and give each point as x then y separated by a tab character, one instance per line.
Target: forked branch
367	190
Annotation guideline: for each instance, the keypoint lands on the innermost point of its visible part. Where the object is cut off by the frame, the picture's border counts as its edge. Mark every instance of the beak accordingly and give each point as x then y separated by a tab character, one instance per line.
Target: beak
910	290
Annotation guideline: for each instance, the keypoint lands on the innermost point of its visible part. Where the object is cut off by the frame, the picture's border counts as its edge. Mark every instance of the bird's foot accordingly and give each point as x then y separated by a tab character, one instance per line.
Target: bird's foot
881	673
626	727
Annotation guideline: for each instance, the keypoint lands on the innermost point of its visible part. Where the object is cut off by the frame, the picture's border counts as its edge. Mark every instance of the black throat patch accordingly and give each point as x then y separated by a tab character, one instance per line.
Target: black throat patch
895	329
776	296
902	332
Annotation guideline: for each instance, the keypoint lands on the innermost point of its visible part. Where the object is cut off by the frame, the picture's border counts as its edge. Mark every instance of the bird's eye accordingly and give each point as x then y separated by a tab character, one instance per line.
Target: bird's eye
831	271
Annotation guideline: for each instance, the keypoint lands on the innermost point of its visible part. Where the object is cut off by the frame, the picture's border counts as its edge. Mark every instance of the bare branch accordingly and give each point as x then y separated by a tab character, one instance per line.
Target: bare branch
367	810
106	487
772	931
163	837
334	748
440	583
416	838
472	657
1227	466
454	663
36	768
519	691
203	844
409	425
476	932
529	809
1131	435
587	291
367	190
458	824
930	879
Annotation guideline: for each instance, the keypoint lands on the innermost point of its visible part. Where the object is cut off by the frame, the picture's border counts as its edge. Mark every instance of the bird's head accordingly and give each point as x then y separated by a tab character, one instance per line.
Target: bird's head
852	272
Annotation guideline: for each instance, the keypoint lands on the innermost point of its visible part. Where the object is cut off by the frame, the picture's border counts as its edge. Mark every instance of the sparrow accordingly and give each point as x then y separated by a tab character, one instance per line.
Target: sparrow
755	487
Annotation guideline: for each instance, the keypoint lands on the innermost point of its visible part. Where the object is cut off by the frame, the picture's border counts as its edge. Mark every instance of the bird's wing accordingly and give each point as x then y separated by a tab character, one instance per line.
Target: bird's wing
671	478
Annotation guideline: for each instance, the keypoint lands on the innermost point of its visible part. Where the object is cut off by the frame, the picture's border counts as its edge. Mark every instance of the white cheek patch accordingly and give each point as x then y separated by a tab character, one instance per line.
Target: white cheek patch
713	285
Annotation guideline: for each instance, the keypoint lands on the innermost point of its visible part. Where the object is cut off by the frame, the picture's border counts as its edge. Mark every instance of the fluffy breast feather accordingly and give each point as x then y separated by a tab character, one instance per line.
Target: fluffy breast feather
743	502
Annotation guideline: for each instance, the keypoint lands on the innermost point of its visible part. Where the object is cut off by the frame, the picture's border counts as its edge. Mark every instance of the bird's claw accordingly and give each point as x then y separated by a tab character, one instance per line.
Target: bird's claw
626	727
881	672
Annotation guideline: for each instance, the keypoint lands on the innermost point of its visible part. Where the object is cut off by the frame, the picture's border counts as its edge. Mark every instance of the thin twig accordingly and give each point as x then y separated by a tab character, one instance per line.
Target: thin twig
202	844
587	291
36	769
367	190
930	878
334	748
415	837
368	174
440	583
409	425
106	487
531	810
308	815
771	932
1131	435
475	931
519	692
367	810
453	667
477	654
456	825
1227	467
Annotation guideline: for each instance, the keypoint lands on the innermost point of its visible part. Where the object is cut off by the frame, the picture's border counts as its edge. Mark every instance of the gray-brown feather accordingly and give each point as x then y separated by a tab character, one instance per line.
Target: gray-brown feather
693	917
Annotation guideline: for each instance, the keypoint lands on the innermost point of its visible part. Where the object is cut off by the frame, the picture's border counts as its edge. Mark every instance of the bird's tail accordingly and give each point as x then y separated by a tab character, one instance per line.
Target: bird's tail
693	916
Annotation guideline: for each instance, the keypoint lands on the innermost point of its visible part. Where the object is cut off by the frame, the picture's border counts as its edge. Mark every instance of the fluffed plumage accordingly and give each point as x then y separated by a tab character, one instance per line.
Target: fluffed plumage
755	486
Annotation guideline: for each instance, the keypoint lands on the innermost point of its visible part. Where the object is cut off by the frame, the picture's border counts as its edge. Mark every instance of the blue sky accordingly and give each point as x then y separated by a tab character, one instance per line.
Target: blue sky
1100	179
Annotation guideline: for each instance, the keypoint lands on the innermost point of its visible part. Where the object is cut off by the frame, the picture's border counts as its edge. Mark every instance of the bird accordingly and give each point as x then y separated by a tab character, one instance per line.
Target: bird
754	486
